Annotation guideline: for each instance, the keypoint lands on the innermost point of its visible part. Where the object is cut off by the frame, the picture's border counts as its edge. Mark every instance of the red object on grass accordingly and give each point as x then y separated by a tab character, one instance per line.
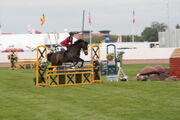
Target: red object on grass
148	70
160	69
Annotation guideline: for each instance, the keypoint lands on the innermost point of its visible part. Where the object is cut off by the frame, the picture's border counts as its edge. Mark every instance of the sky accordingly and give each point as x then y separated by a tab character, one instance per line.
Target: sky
113	15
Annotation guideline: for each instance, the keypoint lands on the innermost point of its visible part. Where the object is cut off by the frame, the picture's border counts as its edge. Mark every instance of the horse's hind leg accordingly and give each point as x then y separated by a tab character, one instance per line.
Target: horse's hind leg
52	64
59	63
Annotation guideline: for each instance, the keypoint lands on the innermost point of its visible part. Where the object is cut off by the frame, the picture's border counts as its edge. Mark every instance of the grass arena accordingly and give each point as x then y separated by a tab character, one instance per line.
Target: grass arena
108	100
81	98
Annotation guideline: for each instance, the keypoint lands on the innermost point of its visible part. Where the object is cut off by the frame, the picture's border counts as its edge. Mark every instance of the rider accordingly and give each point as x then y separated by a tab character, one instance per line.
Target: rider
68	41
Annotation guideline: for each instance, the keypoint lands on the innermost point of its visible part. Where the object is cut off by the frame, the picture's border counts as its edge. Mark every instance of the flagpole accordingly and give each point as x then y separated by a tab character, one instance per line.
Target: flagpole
0	29
90	34
133	26
133	33
167	7
83	24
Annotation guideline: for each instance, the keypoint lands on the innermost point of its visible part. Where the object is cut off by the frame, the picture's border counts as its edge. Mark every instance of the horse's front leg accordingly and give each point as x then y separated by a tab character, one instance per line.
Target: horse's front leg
75	63
81	61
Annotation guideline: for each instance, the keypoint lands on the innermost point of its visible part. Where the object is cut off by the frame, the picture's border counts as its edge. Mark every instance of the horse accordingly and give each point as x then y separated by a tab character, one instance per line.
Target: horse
72	54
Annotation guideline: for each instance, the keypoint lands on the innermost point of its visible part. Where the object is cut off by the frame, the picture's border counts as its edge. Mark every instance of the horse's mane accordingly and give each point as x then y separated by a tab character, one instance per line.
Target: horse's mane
77	42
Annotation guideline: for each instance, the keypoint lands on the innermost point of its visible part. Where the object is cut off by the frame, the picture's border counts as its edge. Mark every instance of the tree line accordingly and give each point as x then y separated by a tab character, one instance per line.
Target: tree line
149	34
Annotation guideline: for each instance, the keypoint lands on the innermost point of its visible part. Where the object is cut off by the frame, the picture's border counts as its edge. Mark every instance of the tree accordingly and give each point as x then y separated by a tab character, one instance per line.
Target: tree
96	39
113	38
150	34
160	27
177	26
128	38
99	39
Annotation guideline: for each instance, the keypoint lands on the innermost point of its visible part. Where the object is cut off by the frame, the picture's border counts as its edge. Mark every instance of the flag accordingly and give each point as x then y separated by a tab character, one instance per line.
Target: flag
133	17
42	19
89	19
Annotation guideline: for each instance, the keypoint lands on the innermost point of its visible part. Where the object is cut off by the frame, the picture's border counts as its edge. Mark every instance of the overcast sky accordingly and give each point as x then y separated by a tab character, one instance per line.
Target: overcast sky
114	15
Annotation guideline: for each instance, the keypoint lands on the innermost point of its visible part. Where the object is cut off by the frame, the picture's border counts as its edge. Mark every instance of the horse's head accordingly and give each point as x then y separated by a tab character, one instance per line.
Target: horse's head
85	47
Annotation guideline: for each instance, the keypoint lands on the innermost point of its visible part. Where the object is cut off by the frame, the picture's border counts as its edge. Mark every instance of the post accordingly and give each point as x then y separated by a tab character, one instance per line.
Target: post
83	24
133	21
90	38
169	30
0	29
90	34
133	33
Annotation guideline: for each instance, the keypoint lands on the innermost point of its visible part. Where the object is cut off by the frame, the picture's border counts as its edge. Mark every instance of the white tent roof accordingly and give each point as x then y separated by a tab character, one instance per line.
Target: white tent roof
26	41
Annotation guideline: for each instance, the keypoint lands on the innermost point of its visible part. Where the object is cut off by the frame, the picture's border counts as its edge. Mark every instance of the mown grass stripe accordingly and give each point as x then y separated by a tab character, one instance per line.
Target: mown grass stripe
105	101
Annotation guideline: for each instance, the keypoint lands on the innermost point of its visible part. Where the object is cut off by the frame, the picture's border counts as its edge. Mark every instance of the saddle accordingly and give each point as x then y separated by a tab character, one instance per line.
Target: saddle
63	51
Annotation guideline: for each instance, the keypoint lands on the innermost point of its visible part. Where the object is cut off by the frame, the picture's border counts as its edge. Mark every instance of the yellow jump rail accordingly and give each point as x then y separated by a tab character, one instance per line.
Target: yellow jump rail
64	75
26	63
69	78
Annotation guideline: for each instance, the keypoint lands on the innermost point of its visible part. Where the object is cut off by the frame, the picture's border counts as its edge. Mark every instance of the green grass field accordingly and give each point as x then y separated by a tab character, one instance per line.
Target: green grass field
132	100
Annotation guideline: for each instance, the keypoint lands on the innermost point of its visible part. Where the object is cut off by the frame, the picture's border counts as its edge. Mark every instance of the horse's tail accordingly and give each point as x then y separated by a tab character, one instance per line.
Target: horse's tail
49	56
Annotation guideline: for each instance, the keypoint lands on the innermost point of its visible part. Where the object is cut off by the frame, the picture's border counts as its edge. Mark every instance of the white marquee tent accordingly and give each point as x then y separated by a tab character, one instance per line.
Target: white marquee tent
27	41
